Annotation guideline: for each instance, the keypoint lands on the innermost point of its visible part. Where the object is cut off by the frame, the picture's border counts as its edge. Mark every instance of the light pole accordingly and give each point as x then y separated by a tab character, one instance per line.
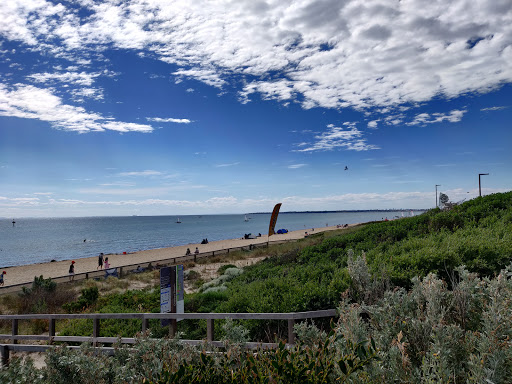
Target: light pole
480	183
437	185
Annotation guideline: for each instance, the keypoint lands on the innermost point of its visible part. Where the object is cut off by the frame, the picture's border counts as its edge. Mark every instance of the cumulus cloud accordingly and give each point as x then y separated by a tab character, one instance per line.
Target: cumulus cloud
81	82
426	118
29	102
332	54
347	137
373	124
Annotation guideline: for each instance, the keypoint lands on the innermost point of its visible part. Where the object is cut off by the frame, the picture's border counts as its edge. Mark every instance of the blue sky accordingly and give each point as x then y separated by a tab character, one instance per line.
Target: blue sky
157	107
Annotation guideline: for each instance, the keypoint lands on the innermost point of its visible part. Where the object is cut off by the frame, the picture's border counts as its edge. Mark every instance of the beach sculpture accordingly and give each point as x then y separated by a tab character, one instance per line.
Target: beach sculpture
273	219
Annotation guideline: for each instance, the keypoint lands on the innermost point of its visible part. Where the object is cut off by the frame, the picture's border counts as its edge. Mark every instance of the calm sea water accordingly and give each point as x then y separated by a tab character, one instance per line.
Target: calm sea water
36	240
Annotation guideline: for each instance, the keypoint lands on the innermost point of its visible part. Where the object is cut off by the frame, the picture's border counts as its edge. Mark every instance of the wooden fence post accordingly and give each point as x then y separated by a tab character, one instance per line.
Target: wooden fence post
145	324
173	327
4	350
14	330
51	329
210	329
291	332
95	330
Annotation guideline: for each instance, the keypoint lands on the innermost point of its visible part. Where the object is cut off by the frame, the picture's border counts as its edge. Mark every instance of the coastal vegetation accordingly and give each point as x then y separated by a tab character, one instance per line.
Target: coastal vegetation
420	299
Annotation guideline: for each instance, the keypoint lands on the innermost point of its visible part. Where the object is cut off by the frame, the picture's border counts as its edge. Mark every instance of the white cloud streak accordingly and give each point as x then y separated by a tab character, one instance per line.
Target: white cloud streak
29	102
141	173
168	120
493	109
296	166
227	165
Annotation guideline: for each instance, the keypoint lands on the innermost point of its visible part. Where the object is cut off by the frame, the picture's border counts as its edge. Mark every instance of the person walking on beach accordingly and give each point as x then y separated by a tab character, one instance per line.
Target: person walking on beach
2	277
100	261
107	264
196	252
72	271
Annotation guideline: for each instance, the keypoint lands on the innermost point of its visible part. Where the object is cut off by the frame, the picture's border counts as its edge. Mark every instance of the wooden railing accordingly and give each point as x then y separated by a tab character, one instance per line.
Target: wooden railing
14	337
130	268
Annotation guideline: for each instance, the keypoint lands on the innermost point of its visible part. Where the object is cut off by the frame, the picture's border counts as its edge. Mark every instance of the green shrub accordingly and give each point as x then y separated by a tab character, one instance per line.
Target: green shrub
88	298
222	268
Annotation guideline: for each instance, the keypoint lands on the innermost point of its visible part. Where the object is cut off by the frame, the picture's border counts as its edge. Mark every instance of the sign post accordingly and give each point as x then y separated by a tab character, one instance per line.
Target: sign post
171	294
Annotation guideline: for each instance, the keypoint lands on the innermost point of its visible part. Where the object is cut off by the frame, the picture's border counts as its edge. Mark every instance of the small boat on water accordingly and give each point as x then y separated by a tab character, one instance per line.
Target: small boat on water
246	218
178	221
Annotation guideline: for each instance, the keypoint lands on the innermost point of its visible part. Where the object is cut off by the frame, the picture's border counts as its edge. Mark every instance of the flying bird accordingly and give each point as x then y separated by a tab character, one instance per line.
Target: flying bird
346	168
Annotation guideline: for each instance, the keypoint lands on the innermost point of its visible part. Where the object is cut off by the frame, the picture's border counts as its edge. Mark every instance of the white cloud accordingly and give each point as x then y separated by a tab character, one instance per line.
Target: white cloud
58	206
29	102
426	118
168	120
373	124
328	53
82	78
296	166
349	138
493	109
227	165
91	93
141	173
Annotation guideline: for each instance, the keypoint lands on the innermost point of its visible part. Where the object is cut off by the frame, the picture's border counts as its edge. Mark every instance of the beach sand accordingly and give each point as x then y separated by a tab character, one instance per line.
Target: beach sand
26	273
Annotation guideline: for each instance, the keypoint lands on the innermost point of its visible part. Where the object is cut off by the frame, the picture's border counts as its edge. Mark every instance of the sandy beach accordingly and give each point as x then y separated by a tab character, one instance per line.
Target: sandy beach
26	273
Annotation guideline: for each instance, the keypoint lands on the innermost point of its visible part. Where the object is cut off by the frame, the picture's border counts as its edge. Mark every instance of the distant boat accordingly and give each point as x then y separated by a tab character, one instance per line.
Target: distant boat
178	221
246	218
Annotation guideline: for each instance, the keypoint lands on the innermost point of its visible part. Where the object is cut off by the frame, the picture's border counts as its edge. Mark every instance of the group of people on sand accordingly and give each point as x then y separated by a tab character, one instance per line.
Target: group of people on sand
102	264
196	252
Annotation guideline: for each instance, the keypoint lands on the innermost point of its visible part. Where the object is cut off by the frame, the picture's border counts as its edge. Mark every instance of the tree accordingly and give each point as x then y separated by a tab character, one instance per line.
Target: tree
443	199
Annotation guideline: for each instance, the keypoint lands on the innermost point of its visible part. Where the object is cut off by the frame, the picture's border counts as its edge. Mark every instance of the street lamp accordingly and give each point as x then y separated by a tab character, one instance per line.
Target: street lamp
437	185
480	183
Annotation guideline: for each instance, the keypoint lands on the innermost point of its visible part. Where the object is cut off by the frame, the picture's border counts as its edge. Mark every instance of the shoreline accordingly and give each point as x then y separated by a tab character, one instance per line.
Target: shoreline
26	273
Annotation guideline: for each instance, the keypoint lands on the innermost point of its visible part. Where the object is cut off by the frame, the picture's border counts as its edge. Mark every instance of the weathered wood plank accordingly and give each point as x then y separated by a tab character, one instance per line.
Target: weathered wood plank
14	329
210	330
239	316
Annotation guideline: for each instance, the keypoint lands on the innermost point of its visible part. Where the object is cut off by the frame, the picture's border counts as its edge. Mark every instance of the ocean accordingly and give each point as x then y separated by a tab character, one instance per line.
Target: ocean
37	240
